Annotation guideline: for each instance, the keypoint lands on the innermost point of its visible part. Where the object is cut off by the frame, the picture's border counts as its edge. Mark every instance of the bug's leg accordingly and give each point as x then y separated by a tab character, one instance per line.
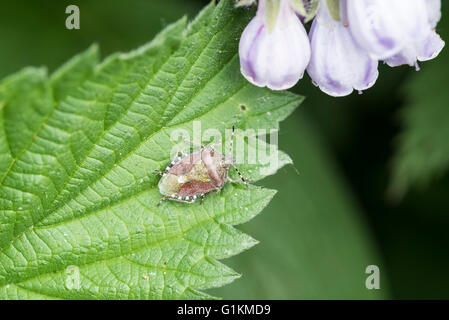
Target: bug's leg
234	181
188	200
201	196
159	172
244	180
162	200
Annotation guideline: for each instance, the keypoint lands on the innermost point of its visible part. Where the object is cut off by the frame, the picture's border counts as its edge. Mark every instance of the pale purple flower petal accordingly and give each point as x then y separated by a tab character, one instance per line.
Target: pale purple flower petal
418	51
385	27
275	59
431	48
338	64
422	49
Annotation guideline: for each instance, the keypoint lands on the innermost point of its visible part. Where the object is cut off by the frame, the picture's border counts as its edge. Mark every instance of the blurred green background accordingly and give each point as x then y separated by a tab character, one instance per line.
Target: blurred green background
333	215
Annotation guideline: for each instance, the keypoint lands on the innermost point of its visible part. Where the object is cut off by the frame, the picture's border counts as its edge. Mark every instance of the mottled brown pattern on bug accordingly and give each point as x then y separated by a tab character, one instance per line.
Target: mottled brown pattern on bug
196	175
195	188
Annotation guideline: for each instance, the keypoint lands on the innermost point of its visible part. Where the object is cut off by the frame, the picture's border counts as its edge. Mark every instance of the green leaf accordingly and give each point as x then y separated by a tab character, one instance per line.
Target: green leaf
78	151
423	153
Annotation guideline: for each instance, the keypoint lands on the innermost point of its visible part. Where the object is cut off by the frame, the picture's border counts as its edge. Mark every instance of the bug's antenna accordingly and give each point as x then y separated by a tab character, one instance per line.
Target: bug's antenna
242	178
231	145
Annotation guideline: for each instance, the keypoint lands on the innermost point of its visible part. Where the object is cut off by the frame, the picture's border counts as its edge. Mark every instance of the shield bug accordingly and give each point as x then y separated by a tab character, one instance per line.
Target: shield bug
195	175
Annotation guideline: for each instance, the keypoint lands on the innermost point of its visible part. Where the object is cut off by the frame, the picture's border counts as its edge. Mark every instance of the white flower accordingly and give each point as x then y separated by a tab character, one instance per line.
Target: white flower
433	12
385	27
347	39
338	64
274	58
422	49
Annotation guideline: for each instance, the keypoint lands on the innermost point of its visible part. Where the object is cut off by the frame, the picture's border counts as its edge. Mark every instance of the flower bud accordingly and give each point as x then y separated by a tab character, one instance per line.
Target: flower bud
338	64
275	57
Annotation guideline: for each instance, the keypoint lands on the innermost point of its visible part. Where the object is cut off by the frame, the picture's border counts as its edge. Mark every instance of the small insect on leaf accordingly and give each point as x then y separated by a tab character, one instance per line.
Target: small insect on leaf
195	175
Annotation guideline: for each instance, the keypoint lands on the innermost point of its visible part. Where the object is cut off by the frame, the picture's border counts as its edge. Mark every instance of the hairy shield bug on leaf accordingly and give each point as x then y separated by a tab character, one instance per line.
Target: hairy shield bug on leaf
194	175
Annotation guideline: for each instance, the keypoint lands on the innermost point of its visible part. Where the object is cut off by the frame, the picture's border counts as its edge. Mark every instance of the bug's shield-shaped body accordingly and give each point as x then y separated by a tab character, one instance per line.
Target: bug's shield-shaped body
195	175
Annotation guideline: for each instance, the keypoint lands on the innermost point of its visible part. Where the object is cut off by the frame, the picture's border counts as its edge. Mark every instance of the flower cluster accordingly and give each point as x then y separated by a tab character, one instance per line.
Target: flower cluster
346	41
